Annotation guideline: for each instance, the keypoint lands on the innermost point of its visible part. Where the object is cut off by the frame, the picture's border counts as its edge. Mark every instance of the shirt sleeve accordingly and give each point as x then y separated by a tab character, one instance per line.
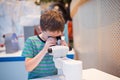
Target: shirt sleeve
28	49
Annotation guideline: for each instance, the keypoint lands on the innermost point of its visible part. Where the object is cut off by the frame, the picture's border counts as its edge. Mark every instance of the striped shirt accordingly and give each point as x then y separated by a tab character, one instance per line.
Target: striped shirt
46	67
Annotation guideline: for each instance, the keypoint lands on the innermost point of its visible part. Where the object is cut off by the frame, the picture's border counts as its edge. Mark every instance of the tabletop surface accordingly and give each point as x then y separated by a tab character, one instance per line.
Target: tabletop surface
16	56
90	74
95	74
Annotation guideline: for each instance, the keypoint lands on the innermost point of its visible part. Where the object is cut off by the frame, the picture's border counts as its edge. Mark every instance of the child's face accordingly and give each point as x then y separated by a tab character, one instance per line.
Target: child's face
52	34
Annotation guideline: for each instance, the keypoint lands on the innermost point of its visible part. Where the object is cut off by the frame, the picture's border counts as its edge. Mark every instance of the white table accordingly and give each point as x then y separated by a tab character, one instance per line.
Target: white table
4	54
95	74
70	54
92	74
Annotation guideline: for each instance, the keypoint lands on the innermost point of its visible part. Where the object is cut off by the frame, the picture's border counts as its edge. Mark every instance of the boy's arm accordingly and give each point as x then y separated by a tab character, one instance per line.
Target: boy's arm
31	63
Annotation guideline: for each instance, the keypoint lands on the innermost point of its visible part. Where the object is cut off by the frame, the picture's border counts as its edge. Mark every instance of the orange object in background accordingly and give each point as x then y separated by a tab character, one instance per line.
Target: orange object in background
70	30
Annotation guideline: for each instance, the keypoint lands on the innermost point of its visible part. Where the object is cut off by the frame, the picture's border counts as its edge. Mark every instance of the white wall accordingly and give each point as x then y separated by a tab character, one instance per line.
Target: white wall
11	12
96	30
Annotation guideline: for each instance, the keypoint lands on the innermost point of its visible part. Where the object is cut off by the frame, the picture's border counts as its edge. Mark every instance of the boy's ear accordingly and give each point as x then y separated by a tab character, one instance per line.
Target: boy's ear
38	30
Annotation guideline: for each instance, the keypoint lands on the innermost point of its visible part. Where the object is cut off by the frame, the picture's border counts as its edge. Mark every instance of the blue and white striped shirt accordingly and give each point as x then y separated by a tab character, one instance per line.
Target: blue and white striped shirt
46	67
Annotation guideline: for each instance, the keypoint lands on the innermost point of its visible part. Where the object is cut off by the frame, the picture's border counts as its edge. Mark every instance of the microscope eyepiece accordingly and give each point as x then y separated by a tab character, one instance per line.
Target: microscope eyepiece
49	50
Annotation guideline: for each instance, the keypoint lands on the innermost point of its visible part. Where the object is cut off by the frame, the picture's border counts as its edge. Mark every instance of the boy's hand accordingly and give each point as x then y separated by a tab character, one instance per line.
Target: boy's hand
63	43
50	42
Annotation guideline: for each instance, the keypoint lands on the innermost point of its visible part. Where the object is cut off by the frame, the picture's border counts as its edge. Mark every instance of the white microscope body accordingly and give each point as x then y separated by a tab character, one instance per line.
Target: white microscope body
68	69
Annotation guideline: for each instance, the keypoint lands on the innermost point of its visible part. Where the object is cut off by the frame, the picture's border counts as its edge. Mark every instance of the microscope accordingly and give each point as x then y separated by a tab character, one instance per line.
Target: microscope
68	69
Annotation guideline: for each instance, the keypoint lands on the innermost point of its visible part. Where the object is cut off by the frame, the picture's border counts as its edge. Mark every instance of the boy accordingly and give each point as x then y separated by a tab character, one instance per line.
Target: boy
38	62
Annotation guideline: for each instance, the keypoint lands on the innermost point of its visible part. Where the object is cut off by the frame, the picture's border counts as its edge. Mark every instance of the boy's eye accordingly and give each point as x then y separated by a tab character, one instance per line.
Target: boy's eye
50	37
57	37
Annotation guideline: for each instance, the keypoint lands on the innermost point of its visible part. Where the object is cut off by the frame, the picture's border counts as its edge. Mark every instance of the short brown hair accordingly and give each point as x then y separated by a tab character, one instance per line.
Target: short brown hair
52	20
